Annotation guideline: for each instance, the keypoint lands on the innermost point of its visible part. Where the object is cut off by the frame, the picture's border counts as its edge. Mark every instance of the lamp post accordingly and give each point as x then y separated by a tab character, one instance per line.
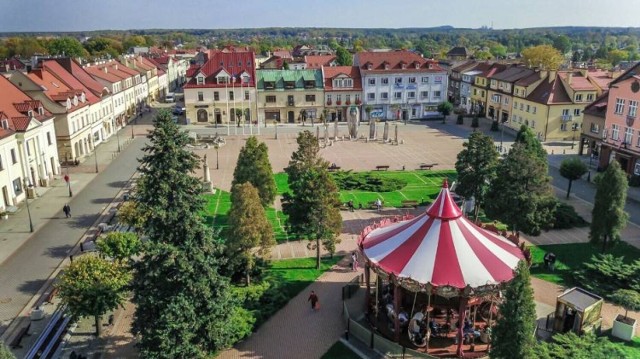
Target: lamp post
26	199
217	146
95	156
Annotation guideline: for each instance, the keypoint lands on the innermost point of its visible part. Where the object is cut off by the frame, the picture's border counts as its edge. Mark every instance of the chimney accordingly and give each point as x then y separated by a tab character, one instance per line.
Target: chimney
543	73
569	78
552	76
105	69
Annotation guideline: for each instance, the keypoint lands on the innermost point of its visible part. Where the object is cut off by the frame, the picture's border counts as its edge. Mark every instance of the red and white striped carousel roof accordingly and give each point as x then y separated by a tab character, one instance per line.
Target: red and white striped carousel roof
443	248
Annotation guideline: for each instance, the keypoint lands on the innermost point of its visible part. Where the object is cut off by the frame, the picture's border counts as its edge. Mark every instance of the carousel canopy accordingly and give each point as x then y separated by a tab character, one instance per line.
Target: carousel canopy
443	248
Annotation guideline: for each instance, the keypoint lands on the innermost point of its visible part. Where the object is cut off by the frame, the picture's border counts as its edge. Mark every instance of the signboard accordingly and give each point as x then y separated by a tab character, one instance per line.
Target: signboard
438	79
376	113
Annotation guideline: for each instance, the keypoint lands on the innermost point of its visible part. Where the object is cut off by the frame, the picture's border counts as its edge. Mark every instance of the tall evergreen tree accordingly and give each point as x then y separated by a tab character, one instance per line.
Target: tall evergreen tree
476	167
184	307
608	214
521	195
313	206
254	167
248	227
513	335
531	142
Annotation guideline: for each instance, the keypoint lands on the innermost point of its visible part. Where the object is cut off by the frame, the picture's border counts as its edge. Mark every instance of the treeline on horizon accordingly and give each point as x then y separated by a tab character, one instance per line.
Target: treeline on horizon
581	43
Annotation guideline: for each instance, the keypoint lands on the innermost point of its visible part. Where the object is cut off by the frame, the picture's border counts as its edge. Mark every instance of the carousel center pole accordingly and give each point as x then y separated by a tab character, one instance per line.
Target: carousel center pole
396	298
461	315
367	295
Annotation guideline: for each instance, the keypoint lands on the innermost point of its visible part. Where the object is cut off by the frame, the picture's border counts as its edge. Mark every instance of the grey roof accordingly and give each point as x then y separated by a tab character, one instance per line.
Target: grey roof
580	298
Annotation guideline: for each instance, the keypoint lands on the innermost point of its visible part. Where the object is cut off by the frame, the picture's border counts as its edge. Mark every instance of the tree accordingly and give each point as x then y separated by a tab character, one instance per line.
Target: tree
562	43
119	245
238	113
628	299
609	217
92	286
177	285
572	345
129	215
367	110
542	56
513	334
522	182
248	227
616	56
313	206
482	55
572	169
253	166
5	353
343	57
526	136
445	109
498	51
476	167
66	46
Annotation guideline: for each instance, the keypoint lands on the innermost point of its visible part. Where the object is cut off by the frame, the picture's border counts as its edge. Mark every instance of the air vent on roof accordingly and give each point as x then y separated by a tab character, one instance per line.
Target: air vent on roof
55	85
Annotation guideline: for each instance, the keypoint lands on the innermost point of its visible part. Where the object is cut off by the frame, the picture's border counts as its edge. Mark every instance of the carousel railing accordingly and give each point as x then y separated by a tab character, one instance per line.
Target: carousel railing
383	223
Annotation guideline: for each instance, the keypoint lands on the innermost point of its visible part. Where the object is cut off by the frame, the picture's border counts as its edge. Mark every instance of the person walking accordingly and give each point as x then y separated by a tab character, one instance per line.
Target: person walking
67	210
354	261
379	204
313	298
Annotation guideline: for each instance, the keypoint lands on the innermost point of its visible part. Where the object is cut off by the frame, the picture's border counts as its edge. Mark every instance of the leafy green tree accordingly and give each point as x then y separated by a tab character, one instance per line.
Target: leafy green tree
248	227
66	46
585	346
129	215
5	353
544	56
628	299
92	286
313	206
521	182
445	109
572	169
476	167
119	245
562	43
133	41
343	57
512	337
498	51
526	136
482	55
616	56
608	214
253	166
102	46
184	307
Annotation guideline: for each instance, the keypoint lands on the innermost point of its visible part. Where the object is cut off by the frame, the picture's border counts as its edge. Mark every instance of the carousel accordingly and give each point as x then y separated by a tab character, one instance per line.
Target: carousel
438	279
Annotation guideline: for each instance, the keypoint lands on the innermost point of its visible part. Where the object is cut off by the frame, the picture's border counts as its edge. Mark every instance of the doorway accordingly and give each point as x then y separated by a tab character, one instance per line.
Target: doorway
5	196
290	117
405	115
218	117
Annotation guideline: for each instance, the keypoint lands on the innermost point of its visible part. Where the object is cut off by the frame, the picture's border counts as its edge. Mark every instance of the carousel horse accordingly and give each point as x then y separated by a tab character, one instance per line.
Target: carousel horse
417	338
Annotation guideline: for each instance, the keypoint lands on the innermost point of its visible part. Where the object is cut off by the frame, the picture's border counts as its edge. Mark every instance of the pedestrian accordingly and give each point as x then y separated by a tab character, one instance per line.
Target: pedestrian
378	204
313	298
67	210
354	261
350	204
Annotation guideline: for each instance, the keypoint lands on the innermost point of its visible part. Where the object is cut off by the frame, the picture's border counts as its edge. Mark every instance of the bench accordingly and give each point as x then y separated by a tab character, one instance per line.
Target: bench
409	204
24	331
372	205
429	166
378	168
334	168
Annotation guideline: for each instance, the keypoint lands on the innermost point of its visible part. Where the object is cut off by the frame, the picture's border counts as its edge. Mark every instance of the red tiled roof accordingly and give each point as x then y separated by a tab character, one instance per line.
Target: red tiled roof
285	54
15	104
602	78
53	88
526	81
81	75
549	93
317	61
330	73
192	70
598	107
233	62
395	59
63	75
578	82
108	75
13	64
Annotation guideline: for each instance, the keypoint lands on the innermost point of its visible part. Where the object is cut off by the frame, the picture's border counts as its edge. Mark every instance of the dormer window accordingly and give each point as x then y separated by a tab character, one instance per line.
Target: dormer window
5	124
403	65
200	80
289	84
30	113
430	66
386	66
68	104
40	110
416	65
369	66
269	85
82	98
75	100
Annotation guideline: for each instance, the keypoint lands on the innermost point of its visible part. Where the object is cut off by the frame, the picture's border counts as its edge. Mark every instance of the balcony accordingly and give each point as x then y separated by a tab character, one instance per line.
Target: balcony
566	118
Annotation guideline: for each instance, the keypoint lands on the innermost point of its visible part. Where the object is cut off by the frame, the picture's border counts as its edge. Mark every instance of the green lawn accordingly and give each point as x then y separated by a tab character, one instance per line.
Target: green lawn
422	186
218	206
569	258
296	274
339	351
631	348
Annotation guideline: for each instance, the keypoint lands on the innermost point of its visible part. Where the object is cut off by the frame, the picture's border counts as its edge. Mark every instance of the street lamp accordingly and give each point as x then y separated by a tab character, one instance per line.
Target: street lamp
26	199
95	153
217	146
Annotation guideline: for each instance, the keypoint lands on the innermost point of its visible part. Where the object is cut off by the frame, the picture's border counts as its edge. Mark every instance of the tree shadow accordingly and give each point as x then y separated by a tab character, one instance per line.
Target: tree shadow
82	221
31	286
59	251
118	184
102	200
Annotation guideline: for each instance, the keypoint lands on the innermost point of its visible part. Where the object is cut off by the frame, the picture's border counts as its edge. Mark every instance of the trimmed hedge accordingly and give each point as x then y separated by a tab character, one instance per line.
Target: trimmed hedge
348	181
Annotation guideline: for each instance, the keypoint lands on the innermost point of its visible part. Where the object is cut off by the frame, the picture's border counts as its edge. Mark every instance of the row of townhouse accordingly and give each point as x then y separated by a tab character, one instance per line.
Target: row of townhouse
611	130
551	103
380	85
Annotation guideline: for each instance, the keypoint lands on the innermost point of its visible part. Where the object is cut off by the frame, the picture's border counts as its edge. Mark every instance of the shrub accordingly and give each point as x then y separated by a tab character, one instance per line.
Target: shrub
566	217
494	126
460	120
475	123
346	180
605	274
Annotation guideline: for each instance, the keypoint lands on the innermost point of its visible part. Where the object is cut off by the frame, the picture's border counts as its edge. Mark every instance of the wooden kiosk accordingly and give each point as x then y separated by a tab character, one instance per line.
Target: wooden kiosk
578	310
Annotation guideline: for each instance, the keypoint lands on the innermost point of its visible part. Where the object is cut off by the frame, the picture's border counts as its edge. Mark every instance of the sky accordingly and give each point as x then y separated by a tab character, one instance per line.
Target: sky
86	15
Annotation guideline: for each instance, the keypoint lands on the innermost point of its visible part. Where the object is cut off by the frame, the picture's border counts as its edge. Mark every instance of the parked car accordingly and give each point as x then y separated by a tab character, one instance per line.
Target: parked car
179	110
170	97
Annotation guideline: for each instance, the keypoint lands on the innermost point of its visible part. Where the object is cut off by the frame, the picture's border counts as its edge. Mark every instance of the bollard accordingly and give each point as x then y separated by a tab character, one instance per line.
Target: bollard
81	247
71	258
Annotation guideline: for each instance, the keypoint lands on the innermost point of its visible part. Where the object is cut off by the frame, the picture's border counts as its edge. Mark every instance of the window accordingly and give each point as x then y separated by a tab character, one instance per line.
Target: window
425	80
371	96
14	159
628	135
384	81
398	80
528	108
384	95
310	98
594	128
216	96
271	99
576	112
475	92
1	164
424	94
28	146
17	186
246	95
578	97
533	124
590	97
348	83
534	109
495	98
619	106
436	94
328	98
506	100
515	104
412	80
521	106
372	82
200	96
347	98
615	132
397	95
514	118
357	97
411	94
200	80
49	141
633	108
231	95
338	98
563	127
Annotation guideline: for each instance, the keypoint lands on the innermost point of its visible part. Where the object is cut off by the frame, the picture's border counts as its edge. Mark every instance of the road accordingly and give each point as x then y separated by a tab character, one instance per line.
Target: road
25	272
